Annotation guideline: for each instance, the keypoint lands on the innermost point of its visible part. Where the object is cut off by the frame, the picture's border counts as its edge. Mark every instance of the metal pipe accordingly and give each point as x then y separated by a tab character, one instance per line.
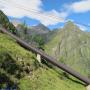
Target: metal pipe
48	58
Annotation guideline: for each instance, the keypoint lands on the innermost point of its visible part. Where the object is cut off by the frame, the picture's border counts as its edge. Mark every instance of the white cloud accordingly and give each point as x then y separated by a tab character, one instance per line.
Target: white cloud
81	6
77	7
31	9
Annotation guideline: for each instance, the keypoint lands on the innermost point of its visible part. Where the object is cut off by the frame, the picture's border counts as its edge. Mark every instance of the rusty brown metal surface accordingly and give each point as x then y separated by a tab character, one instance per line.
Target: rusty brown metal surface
48	58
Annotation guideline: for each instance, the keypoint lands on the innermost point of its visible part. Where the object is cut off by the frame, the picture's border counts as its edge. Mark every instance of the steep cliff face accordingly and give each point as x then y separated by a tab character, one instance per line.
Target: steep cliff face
4	22
72	47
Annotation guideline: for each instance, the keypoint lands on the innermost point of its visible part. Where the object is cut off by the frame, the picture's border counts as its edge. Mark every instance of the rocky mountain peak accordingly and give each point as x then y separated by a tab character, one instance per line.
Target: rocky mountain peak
40	27
71	26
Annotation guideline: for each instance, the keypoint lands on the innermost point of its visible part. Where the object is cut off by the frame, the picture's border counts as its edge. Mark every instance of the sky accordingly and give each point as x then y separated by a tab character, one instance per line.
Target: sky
51	13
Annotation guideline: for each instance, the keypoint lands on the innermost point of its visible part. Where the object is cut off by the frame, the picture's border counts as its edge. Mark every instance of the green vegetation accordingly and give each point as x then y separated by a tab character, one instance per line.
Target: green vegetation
37	35
22	33
19	67
40	41
15	62
4	22
33	38
71	46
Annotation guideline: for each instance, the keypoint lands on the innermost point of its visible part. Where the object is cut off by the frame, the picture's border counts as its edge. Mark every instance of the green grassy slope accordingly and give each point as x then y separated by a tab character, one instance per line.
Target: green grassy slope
72	47
4	22
20	66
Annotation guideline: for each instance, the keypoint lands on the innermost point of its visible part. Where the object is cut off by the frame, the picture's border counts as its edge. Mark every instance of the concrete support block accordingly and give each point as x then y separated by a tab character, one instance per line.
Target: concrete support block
88	87
39	58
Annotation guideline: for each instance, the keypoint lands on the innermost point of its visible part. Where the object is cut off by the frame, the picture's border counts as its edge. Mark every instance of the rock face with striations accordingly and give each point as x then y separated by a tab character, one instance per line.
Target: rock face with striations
72	47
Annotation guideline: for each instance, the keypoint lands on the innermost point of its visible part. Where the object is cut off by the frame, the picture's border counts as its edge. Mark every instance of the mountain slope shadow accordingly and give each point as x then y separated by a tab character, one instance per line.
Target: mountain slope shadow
10	71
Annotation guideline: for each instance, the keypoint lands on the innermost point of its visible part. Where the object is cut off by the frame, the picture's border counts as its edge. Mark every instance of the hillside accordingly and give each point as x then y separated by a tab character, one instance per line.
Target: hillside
72	47
4	22
20	67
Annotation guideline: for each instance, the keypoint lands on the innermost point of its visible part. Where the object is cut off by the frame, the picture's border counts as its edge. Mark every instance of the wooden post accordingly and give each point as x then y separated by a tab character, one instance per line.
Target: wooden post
39	58
88	87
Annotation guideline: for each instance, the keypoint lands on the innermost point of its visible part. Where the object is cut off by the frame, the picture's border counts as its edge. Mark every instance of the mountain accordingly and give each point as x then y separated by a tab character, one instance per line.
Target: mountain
43	31
4	22
37	35
40	29
71	46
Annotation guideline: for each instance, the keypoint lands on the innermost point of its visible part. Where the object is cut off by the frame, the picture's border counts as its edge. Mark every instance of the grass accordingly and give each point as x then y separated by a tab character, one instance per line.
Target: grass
40	77
43	79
